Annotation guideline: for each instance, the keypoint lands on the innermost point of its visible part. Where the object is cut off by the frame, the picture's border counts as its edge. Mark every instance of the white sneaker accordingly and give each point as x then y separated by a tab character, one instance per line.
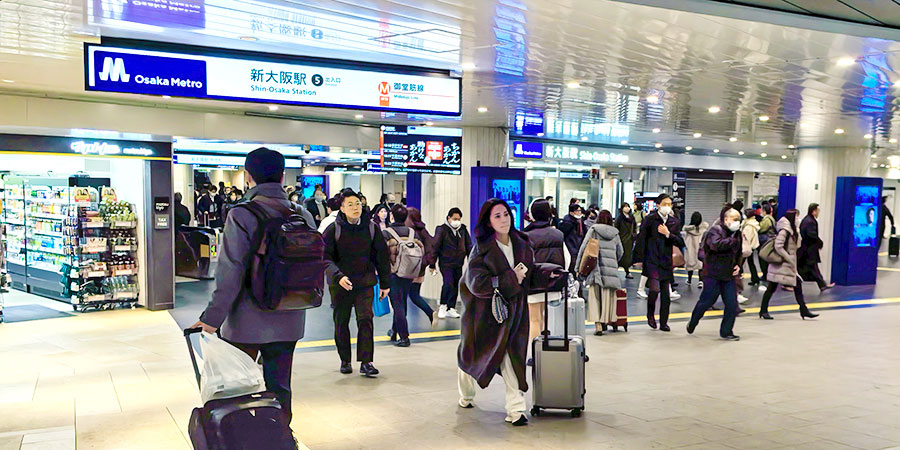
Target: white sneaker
674	295
434	320
742	299
762	288
700	285
451	313
442	313
642	293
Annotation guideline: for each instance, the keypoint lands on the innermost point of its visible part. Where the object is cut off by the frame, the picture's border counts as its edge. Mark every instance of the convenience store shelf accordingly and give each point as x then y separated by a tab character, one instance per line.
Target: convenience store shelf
41	215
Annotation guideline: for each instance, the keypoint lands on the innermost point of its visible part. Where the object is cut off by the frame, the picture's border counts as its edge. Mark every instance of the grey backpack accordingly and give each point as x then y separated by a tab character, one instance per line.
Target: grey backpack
410	255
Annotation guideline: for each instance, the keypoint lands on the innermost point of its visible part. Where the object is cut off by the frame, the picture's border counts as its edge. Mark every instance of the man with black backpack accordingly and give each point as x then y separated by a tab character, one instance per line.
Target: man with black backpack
356	258
243	305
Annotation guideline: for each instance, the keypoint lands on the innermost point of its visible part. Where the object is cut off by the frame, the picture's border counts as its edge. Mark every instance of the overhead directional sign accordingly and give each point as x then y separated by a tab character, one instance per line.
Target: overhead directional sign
269	78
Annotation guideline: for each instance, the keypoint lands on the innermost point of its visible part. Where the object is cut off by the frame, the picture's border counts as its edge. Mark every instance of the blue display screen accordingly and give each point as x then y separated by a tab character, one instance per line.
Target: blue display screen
522	149
511	192
865	216
308	184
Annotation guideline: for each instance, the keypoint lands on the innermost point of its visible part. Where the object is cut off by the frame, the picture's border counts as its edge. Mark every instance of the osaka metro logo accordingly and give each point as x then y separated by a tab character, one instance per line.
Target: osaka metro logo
384	88
114	70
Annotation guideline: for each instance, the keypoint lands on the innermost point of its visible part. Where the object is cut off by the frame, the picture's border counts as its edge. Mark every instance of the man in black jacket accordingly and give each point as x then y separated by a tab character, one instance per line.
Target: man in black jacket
451	245
573	228
356	258
721	263
182	213
316	205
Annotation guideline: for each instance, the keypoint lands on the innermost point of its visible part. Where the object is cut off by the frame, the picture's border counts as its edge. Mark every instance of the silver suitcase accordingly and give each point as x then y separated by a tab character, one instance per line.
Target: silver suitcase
558	373
574	314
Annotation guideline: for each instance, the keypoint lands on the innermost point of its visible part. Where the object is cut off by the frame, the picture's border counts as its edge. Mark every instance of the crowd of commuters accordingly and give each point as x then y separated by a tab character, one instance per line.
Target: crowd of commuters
387	251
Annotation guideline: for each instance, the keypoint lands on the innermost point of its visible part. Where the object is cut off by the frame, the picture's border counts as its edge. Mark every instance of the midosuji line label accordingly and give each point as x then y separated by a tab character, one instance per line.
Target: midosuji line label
270	79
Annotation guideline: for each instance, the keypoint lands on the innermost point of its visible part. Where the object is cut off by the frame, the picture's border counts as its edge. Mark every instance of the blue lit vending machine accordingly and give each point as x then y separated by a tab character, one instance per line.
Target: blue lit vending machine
502	183
854	258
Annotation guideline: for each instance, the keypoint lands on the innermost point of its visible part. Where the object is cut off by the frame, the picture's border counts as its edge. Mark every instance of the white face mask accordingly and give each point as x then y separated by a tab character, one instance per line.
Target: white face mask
455	223
665	210
734	226
577	216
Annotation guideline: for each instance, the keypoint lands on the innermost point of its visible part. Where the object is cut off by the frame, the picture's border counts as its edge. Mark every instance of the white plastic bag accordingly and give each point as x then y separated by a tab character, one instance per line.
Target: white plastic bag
227	371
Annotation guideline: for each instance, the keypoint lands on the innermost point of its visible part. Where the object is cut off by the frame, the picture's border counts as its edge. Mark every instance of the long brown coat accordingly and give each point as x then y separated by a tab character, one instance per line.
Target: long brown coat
483	341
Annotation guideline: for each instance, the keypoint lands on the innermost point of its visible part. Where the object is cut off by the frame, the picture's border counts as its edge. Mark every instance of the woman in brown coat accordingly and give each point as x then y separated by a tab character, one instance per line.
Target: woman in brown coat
785	273
500	261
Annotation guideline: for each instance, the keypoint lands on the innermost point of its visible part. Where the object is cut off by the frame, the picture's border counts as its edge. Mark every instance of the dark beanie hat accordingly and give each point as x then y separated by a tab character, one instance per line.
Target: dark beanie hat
541	211
265	166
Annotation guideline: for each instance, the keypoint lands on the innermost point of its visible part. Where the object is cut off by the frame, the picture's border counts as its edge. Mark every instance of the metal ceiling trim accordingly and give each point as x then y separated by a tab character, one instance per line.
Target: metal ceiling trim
774	17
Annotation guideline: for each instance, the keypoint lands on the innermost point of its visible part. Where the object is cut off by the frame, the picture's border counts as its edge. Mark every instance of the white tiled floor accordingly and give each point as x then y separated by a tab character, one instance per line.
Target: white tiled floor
122	380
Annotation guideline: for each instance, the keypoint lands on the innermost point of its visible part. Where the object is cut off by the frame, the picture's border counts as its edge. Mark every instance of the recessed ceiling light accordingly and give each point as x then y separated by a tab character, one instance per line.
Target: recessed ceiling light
273	108
701	170
665	168
763	118
652	99
846	61
540	135
166	96
429	123
892	140
467	66
838	131
715	150
8	81
867	136
897	84
249	38
783	156
573	84
791	146
482	109
358	116
764	143
689	148
714	109
621	166
661	151
732	139
656	130
697	135
584	138
657	145
623	142
874	155
741	153
764	155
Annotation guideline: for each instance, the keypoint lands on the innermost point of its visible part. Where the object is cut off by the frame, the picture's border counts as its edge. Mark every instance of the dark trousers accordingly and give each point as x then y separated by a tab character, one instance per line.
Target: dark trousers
415	295
798	295
277	361
450	289
764	265
659	288
712	289
344	302
399	292
817	276
751	262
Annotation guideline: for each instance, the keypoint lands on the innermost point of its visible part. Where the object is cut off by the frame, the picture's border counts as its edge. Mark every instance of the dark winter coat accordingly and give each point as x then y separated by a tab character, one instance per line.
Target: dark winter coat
484	342
547	243
627	230
573	229
722	252
426	239
654	250
358	256
449	248
810	244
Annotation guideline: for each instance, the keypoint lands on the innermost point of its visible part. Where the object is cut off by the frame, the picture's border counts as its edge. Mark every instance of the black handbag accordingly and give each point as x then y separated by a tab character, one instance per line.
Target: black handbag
499	304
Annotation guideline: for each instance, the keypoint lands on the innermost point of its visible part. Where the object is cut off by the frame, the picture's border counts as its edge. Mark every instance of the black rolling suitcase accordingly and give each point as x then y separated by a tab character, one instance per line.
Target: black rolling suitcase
248	422
894	244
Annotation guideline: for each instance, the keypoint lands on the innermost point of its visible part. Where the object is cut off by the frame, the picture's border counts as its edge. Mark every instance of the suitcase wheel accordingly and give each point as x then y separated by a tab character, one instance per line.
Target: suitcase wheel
576	412
535	411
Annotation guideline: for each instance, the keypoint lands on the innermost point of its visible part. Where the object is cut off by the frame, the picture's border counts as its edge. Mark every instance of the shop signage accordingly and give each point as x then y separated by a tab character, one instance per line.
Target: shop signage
266	78
522	149
224	161
161	213
85	146
585	154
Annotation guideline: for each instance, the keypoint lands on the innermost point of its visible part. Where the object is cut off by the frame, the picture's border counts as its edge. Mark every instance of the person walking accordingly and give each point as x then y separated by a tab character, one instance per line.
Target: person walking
603	281
808	258
653	248
882	222
450	248
356	258
572	227
414	221
232	311
627	227
693	237
721	263
499	263
750	244
317	206
638	213
766	232
334	205
182	213
397	236
785	273
549	247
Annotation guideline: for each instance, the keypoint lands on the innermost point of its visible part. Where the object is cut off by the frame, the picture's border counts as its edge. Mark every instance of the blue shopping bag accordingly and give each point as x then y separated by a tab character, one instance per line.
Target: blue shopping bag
381	306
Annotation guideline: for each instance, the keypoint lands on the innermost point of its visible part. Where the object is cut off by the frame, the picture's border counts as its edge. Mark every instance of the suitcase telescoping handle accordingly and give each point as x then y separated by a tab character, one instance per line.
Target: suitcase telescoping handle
187	337
545	344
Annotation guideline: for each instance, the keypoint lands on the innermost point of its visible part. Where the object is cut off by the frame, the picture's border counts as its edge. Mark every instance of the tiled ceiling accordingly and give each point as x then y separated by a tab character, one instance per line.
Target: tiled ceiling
875	12
636	67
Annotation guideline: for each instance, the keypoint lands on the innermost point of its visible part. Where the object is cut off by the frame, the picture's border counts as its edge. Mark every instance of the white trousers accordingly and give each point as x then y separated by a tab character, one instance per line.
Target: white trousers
515	399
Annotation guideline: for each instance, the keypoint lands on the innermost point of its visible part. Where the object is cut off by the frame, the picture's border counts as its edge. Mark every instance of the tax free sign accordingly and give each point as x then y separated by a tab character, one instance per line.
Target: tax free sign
271	79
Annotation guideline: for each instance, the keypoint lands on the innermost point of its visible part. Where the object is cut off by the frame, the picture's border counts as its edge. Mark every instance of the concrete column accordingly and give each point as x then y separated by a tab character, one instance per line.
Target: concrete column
817	172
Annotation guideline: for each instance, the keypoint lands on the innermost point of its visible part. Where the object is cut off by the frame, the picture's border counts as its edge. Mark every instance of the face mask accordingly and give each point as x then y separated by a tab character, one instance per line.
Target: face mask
734	226
665	210
455	223
577	216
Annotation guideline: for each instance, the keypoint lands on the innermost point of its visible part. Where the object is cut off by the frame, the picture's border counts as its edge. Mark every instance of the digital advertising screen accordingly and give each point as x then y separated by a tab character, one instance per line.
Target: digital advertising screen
421	149
865	216
511	192
308	184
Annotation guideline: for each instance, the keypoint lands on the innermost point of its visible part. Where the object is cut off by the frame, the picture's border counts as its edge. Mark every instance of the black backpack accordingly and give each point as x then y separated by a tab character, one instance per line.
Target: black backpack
287	262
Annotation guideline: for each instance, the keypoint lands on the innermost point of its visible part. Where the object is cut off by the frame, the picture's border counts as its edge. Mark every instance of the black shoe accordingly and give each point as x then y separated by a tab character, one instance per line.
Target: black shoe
665	328
691	327
765	316
615	328
628	276
392	335
651	321
368	370
346	368
521	421
808	315
731	338
403	342
740	311
603	326
530	362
